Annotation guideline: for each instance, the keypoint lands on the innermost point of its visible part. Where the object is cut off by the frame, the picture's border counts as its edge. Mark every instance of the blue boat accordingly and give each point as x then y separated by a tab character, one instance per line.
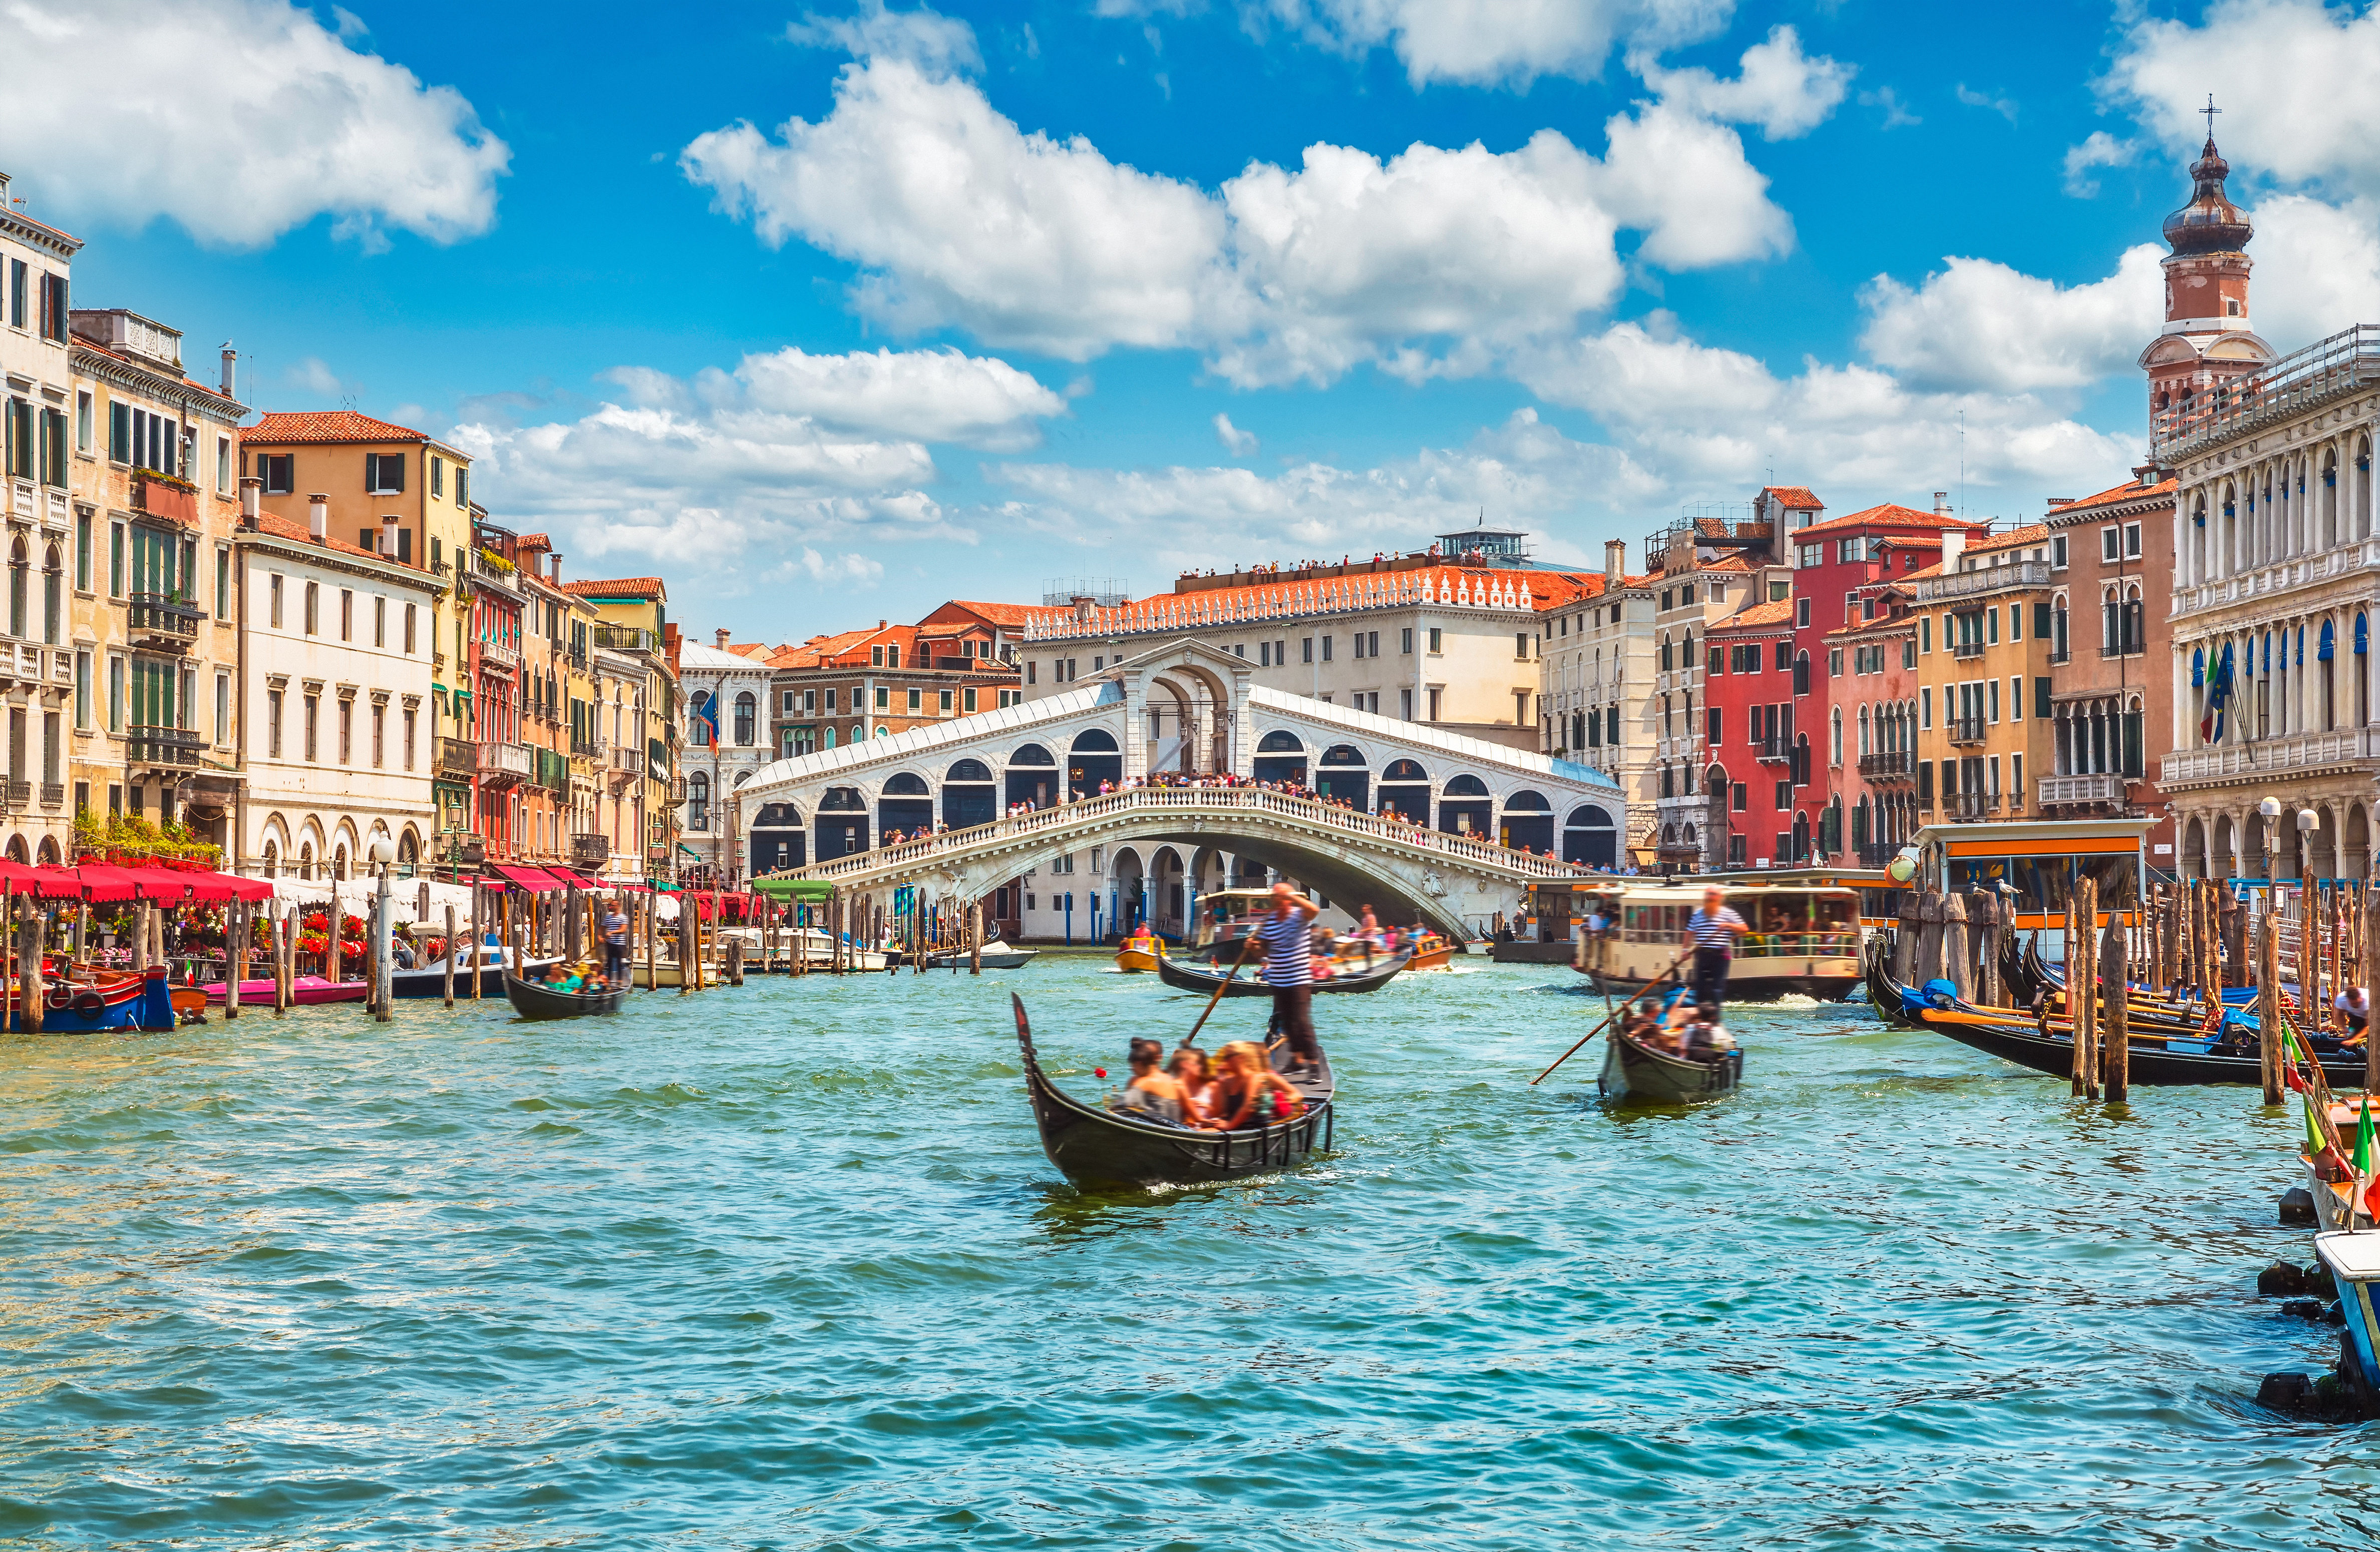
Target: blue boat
2353	1258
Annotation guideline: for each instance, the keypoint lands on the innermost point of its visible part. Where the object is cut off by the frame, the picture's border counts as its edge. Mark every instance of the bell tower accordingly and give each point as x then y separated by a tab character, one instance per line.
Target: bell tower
2207	340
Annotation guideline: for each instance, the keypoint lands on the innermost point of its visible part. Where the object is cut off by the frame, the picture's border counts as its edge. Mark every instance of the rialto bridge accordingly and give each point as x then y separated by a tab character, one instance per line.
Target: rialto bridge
1437	826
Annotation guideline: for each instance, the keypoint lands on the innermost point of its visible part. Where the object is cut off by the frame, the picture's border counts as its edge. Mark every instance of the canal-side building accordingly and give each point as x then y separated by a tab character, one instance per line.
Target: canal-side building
1872	723
637	724
330	713
1595	699
2112	587
1983	639
834	689
154	635
725	740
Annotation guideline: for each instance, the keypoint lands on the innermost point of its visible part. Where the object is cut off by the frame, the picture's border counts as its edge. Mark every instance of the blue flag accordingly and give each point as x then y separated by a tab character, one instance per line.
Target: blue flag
2218	698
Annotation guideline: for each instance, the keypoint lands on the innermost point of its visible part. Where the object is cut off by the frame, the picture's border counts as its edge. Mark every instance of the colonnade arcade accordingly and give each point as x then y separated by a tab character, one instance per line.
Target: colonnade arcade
2229	842
2295	502
2310	673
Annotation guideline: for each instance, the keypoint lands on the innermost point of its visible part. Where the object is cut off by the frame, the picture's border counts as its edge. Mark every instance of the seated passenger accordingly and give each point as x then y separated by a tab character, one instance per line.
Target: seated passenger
1196	1075
1249	1093
1153	1094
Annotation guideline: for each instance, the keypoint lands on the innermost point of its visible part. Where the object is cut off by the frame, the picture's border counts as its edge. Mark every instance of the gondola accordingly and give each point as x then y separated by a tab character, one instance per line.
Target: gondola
1088	1142
1634	1071
1184	977
2174	1056
533	1000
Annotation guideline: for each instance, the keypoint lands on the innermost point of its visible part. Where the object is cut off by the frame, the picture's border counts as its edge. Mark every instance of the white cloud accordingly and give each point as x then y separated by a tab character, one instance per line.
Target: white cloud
1979	324
1432	260
314	375
1490	43
2099	150
924	37
2317	268
2294	79
239	119
1896	111
1237	443
1785	91
779	457
1690	419
2004	107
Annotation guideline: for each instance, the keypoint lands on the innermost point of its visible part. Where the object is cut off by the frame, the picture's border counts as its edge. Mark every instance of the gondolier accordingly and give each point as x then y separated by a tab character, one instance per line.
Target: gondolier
1711	932
1286	940
615	943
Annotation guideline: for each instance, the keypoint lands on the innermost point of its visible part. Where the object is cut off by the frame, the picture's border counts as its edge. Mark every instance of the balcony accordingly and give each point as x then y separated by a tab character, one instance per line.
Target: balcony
628	761
2059	658
1967	649
17	797
154	745
2104	787
507	658
2297	754
1984	580
1964	730
626	638
501	764
1772	750
175	500
53	794
487	566
1972	805
161	621
455	757
1898	765
589	852
2123	649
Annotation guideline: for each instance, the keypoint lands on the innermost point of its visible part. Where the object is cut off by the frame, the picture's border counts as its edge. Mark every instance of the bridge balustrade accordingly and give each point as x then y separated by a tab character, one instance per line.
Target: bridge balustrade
1396	833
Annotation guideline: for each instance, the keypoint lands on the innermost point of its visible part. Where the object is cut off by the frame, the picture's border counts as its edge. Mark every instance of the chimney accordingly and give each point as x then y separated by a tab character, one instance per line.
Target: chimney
722	634
317	518
388	522
230	370
252	490
1941	503
1954	544
1615	563
556	558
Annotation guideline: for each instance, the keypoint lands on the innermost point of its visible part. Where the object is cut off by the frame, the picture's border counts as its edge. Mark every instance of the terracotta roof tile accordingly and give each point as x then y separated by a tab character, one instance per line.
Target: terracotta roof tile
1888	515
1197	610
1726	563
325	426
2131	492
1779	611
1795	498
2015	538
999	613
283	527
620	586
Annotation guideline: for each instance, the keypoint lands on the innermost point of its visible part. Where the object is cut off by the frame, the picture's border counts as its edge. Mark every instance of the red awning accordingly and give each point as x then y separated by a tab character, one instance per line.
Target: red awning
106	884
44	883
537	881
216	889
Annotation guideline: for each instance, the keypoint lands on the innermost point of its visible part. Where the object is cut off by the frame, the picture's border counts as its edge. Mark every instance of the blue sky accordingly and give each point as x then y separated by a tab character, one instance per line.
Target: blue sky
831	313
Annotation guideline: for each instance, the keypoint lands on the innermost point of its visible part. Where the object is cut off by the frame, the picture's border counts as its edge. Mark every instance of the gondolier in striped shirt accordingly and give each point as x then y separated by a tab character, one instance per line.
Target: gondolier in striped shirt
1285	935
1711	932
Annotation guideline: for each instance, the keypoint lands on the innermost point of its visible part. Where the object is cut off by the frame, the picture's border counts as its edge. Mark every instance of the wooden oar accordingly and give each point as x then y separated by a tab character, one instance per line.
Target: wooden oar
1192	1039
1649	987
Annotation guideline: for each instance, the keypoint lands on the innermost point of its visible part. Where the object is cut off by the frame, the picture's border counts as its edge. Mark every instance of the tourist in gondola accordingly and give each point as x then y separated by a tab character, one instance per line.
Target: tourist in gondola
1249	1093
1287	944
1711	932
1195	1072
1153	1092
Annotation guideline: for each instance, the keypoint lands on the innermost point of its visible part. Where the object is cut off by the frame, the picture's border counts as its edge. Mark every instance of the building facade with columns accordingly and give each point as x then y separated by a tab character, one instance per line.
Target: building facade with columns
2276	568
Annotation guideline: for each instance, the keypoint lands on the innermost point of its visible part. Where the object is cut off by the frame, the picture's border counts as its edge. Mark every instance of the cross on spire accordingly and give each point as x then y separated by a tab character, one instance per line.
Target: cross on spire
2210	111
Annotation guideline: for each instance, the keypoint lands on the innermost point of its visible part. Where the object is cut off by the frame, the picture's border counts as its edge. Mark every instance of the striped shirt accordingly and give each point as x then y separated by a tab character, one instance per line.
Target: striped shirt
1287	950
1712	931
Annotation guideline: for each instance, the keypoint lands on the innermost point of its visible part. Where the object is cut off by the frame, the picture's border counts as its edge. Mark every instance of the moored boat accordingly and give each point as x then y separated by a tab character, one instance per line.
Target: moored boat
1250	983
532	999
1090	1141
2354	1263
1802	940
1633	1070
994	956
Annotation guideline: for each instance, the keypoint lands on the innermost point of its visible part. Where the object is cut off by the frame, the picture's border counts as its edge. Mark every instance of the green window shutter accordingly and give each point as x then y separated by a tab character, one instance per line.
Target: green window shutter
2041	699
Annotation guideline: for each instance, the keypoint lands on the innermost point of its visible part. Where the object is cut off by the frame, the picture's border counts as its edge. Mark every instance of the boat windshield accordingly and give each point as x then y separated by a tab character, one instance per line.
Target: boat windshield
1797	921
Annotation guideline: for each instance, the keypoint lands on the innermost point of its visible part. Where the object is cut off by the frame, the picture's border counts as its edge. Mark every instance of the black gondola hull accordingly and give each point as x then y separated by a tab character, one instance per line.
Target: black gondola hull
1248	983
531	1000
2142	1064
1092	1145
1634	1072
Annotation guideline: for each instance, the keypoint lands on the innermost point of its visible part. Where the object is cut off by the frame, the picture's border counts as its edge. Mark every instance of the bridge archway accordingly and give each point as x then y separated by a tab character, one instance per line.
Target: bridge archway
1129	883
1095	757
842	823
1343	773
1032	776
969	795
1528	823
907	804
1589	837
1405	789
1166	878
1466	809
1280	756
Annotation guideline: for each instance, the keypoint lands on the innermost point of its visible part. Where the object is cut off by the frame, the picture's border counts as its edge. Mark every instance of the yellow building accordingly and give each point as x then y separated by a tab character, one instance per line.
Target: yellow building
1984	655
636	723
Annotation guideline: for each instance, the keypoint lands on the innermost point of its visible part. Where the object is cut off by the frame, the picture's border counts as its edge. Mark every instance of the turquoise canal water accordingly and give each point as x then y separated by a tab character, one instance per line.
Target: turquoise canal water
785	1268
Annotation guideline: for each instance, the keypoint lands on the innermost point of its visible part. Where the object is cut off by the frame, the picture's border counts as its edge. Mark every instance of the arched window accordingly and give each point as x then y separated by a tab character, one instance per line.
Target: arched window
19	573
52	581
1467	786
968	770
1342	754
1279	743
747	717
1031	754
697	802
699	722
903	784
1095	741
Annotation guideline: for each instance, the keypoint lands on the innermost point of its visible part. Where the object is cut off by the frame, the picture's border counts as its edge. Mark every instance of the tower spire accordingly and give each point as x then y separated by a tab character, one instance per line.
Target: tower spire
2207	340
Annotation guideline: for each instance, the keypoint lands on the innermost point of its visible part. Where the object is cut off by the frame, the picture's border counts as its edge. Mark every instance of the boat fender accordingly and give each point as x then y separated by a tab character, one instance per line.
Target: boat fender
89	1003
2284	1392
2316	1279
2280	1280
2297	1206
2305	1309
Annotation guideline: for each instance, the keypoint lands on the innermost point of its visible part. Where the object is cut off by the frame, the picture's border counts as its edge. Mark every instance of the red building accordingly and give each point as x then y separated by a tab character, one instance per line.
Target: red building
1759	757
493	593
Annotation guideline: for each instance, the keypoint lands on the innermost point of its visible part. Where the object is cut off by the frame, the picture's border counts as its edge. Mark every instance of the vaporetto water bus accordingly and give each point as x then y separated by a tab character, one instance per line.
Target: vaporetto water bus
1804	939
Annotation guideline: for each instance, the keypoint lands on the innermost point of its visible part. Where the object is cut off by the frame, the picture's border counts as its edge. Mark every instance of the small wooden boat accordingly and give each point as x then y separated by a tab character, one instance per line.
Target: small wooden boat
1248	983
532	999
100	999
1634	1071
1090	1142
1432	952
994	956
1138	955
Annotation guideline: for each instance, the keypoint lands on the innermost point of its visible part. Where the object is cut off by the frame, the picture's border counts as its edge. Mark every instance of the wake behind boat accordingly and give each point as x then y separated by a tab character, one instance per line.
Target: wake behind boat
1093	1142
